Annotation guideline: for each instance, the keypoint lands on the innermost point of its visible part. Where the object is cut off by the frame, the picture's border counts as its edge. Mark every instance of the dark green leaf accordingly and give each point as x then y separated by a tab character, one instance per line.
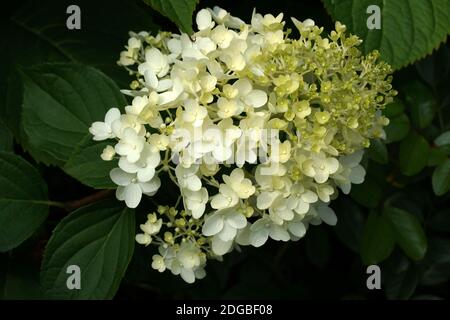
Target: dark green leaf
421	103
397	129
350	224
10	108
37	33
410	29
443	142
23	200
86	165
378	151
367	194
441	178
437	262
41	27
100	240
436	157
60	103
413	155
377	241
401	285
409	234
394	109
6	138
435	67
179	11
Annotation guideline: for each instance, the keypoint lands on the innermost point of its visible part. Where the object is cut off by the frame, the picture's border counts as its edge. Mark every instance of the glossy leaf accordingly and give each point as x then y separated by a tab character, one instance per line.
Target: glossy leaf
441	178
23	200
413	156
378	240
99	239
409	234
179	11
409	29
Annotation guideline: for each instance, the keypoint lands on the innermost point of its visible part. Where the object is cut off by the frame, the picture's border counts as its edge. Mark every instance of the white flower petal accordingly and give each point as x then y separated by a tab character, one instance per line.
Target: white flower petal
309	196
203	19
227	233
243	236
151	187
150	78
297	228
111	115
213	224
345	187
194	183
127	166
357	175
187	275
120	193
352	159
120	177
198	210
332	164
327	215
235	219
146	174
219	246
258	238
265	199
256	98
133	195
278	233
143	238
100	131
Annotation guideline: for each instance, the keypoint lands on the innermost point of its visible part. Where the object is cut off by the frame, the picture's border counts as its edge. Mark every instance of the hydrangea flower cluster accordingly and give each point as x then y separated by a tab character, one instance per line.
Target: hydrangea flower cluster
256	129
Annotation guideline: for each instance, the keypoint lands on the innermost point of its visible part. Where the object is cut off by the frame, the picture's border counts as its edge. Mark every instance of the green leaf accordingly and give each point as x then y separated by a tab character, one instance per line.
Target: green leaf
421	104
60	102
436	263
86	165
367	194
394	109
436	157
410	29
10	108
443	142
23	200
350	224
377	241
6	138
435	67
179	11
397	129
100	240
441	178
37	33
413	154
401	282
98	43
409	234
378	151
